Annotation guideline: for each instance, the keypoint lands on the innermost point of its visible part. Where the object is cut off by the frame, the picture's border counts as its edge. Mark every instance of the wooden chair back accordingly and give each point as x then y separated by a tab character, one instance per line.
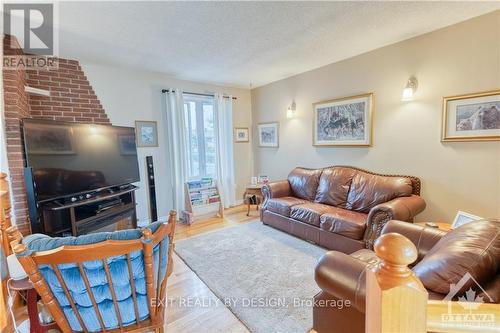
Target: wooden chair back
78	254
5	208
5	248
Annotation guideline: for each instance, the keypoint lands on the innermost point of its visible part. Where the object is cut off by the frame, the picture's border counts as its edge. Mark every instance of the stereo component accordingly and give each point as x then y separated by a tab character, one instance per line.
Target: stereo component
151	188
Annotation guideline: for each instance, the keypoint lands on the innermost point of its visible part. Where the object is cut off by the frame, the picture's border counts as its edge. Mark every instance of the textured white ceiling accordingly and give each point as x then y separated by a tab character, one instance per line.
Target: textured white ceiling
242	43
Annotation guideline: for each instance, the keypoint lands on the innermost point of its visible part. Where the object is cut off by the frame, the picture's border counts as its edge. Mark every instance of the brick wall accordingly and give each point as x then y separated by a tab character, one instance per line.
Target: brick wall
71	99
71	96
15	108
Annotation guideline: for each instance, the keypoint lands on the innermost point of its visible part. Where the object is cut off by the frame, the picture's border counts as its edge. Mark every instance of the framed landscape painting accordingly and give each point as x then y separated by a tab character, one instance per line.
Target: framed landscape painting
343	121
472	117
268	134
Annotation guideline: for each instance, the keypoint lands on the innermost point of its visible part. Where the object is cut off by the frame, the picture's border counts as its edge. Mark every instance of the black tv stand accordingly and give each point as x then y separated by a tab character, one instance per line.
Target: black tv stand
99	211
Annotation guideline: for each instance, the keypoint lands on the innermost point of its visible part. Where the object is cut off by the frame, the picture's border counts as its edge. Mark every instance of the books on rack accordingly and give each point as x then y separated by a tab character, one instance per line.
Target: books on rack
205	182
202	200
203	191
214	199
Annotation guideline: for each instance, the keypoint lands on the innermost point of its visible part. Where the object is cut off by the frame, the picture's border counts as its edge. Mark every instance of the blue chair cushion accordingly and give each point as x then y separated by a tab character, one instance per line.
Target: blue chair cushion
96	275
41	242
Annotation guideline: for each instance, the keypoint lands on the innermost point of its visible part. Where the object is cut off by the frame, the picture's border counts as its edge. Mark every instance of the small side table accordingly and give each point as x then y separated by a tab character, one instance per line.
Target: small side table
440	225
253	190
25	285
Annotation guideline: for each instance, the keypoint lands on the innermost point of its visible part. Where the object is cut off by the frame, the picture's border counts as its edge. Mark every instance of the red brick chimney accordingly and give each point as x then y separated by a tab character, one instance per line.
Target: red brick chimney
71	99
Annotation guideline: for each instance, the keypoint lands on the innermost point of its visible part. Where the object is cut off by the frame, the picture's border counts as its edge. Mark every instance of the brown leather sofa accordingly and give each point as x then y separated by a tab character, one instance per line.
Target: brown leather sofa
340	208
443	259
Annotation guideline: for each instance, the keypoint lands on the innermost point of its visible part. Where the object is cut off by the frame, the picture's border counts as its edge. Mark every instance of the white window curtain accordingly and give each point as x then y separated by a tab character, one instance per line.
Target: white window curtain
176	142
225	159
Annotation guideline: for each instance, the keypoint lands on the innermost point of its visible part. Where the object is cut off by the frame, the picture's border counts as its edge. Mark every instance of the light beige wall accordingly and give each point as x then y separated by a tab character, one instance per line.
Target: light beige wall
459	59
128	95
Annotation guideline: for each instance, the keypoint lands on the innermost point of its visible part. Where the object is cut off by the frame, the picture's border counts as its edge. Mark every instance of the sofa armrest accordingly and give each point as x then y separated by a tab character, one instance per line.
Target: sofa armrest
343	277
423	237
276	189
402	208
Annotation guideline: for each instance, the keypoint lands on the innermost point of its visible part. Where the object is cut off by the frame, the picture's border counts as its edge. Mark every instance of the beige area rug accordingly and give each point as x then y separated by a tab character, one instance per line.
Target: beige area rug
264	276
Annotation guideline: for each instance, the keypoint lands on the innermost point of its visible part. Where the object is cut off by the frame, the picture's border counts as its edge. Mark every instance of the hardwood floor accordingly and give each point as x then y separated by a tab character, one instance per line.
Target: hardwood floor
191	307
205	314
232	217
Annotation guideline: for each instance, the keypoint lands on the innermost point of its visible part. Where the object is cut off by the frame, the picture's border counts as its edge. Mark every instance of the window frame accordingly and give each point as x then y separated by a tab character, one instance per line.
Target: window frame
199	102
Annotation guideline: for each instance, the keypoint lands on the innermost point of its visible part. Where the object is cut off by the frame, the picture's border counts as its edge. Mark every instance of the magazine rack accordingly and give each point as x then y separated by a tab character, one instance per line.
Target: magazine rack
202	200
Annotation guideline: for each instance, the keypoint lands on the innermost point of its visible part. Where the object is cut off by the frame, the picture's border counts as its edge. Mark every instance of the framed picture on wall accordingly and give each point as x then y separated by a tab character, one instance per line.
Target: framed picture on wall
241	134
472	117
268	134
146	133
343	121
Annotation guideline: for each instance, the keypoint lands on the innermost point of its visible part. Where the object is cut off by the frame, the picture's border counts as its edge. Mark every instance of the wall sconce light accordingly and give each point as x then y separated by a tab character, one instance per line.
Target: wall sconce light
410	89
290	112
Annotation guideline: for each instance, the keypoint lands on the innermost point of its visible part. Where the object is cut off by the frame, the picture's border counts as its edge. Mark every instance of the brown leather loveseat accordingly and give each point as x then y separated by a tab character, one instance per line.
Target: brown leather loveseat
340	208
466	258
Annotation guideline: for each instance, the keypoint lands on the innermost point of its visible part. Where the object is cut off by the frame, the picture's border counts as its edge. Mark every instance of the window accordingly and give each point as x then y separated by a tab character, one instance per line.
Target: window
200	136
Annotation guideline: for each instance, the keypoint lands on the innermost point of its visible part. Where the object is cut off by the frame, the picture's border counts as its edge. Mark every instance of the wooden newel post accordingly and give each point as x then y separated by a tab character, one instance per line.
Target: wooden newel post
396	300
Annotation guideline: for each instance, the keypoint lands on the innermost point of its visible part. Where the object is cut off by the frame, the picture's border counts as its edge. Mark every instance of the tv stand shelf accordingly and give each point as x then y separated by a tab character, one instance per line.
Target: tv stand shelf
107	213
97	198
101	212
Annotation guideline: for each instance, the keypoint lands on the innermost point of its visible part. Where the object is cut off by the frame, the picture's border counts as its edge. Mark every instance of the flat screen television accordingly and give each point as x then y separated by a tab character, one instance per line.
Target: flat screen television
69	159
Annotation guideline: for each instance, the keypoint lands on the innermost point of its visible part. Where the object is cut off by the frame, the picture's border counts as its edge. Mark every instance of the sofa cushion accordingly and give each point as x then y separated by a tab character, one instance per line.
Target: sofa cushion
304	182
369	190
283	205
344	222
309	212
334	185
472	248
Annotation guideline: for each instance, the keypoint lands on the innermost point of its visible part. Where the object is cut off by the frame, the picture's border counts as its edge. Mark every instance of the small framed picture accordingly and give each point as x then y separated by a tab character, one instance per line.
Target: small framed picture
472	117
146	133
241	134
462	218
268	134
343	121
